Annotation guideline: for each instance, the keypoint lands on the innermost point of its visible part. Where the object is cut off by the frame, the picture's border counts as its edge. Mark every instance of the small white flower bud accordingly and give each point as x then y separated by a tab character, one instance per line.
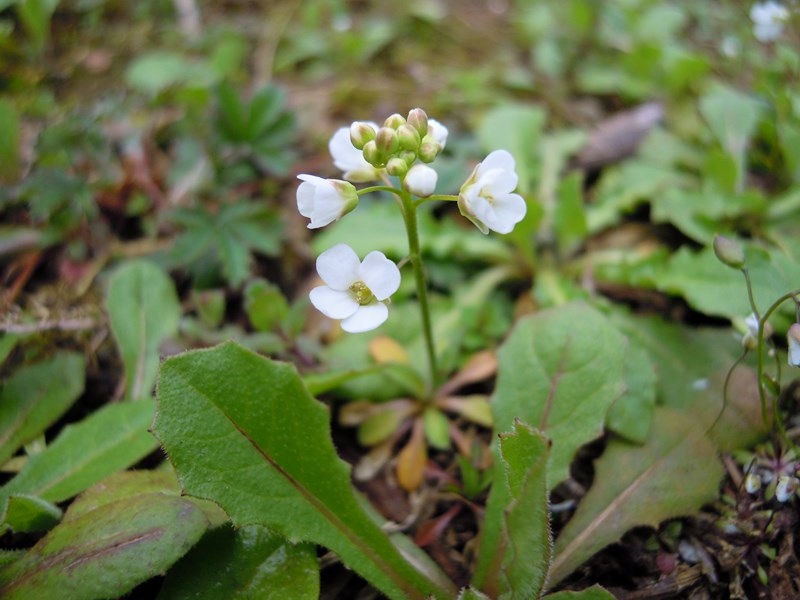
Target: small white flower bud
729	252
418	120
421	180
785	488
396	167
387	142
394	121
793	341
361	133
409	138
429	150
752	483
373	156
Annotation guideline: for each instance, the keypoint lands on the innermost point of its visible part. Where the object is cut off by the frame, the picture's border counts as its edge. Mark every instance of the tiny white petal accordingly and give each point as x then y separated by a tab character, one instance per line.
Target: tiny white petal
793	340
334	304
349	159
438	131
338	267
499	159
366	318
380	275
421	180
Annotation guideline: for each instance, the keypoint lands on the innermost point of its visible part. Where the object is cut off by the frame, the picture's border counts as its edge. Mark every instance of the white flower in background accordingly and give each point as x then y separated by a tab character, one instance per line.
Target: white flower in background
768	18
325	200
355	291
437	131
752	483
486	198
349	159
421	180
785	488
793	340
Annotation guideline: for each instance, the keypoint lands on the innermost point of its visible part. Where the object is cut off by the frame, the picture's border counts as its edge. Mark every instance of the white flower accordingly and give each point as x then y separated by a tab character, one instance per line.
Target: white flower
325	200
355	291
768	18
785	488
486	198
793	340
421	180
349	159
752	483
437	131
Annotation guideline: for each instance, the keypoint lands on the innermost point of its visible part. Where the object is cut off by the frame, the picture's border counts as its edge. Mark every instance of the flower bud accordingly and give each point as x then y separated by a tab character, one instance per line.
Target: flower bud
361	133
387	142
418	120
429	150
409	137
373	156
729	252
394	121
785	488
752	483
397	167
793	341
421	180
408	156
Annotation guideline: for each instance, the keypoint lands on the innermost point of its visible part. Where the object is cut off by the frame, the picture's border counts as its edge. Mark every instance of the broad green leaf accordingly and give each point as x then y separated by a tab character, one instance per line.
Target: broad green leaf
245	563
112	438
23	513
518	129
715	289
672	475
144	310
107	551
568	216
560	369
241	430
35	397
732	118
632	413
593	593
518	568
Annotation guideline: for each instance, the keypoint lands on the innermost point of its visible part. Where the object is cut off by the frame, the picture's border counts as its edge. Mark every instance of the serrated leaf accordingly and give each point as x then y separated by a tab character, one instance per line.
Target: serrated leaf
245	563
673	474
110	439
560	369
242	431
143	309
35	397
108	551
518	567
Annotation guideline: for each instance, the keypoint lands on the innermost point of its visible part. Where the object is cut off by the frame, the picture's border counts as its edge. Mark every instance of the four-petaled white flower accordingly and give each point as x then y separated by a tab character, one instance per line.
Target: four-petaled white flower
355	291
793	340
349	159
421	180
486	198
768	18
325	200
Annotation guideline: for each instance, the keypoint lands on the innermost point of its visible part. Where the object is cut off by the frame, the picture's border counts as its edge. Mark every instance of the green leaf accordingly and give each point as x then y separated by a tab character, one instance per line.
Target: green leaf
593	593
245	563
518	568
35	397
242	431
112	438
673	474
24	513
9	141
144	310
265	305
732	118
632	413
560	369
107	551
569	218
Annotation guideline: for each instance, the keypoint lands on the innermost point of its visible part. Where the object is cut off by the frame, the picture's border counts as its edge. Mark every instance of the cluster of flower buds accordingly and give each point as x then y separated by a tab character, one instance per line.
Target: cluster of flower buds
778	477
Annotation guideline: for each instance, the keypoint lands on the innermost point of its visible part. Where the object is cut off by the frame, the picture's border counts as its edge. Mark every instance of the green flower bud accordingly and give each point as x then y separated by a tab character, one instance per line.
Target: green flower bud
387	142
729	252
397	167
394	121
409	137
418	120
408	156
361	133
373	156
429	150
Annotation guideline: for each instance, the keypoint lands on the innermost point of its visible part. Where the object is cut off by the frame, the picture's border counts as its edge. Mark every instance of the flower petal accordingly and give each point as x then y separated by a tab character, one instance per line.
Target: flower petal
499	159
349	159
380	274
366	318
506	212
338	267
333	304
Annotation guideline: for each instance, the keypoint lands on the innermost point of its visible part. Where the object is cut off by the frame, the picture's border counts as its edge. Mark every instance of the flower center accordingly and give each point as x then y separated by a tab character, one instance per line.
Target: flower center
361	293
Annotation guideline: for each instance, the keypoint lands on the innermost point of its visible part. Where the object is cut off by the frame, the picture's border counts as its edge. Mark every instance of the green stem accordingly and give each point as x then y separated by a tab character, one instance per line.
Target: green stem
378	188
443	197
410	219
